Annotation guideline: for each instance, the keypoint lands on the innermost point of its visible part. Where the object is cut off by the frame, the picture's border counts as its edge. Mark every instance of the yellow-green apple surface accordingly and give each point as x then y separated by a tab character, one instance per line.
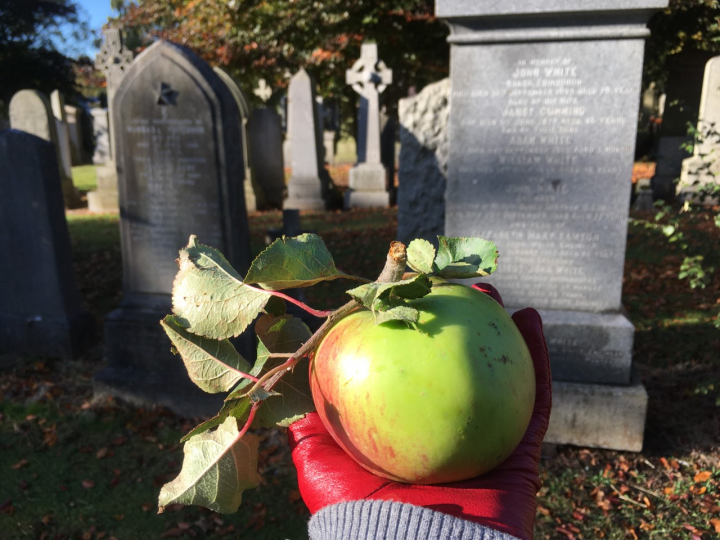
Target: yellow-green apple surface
446	403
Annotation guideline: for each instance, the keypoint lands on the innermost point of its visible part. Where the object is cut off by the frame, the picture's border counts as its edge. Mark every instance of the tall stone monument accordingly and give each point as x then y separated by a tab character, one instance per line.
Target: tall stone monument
306	189
101	134
266	149
30	111
422	175
113	60
543	116
176	128
40	306
369	76
253	193
702	170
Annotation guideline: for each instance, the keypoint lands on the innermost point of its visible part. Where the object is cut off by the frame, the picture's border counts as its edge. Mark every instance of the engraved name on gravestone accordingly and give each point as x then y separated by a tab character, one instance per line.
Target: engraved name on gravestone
180	170
40	306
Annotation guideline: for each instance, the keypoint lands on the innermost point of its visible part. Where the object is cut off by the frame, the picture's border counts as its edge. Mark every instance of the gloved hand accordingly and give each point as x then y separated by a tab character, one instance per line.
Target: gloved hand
503	499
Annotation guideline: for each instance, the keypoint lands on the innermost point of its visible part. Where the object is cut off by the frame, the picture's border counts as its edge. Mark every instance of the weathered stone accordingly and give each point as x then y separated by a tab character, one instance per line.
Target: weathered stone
254	197
422	175
700	172
368	76
101	134
177	130
73	116
30	111
598	415
40	307
542	132
305	189
266	155
57	102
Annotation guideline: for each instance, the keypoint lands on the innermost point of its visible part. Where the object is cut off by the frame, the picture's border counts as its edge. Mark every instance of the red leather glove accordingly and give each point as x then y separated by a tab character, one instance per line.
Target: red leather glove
503	499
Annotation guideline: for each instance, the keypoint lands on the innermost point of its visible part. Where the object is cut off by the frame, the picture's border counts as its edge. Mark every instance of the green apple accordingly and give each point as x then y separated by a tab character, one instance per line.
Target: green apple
446	403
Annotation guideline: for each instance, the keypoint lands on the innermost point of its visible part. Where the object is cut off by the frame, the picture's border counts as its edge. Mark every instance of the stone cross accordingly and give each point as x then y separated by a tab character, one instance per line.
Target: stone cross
263	91
113	60
369	77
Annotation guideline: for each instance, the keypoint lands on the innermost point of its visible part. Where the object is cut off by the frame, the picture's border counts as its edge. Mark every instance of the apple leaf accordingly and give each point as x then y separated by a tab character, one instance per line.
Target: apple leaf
215	366
372	295
209	297
301	261
405	314
460	258
238	408
284	334
217	467
420	256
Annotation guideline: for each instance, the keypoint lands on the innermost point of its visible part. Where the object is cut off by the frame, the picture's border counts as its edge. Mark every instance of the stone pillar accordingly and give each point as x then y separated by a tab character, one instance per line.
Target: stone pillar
543	117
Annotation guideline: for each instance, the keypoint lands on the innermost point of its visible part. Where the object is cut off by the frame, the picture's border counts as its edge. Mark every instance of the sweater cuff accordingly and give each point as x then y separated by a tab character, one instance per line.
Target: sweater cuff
389	520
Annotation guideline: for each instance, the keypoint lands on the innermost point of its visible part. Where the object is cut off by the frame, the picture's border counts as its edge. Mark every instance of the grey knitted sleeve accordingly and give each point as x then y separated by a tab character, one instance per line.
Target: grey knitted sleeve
389	520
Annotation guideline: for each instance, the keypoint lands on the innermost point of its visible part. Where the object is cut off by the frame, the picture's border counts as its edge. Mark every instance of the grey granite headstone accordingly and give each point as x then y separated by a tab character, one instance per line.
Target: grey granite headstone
543	118
40	307
305	189
702	170
253	193
176	128
369	77
30	111
266	155
73	117
101	134
57	102
114	60
422	175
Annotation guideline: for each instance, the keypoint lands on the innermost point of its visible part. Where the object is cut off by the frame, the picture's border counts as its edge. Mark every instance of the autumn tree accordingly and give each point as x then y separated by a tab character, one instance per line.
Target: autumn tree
30	31
272	39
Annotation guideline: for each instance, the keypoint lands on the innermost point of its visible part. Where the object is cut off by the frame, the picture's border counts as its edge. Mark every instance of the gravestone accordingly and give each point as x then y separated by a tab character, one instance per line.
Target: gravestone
543	118
253	192
305	189
114	59
702	170
57	102
369	76
101	134
73	117
684	85
265	138
30	111
331	127
40	306
176	128
388	137
422	175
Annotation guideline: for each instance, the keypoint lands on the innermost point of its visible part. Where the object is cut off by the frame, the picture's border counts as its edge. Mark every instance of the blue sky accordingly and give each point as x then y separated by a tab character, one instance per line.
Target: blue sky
97	13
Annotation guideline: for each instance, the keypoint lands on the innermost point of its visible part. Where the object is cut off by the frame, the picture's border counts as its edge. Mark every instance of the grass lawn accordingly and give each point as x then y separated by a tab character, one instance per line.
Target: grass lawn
75	468
84	177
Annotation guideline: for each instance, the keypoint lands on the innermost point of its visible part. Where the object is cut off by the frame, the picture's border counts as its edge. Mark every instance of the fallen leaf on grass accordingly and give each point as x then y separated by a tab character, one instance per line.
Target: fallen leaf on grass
544	511
146	507
88	484
101	453
20	464
702	476
715	522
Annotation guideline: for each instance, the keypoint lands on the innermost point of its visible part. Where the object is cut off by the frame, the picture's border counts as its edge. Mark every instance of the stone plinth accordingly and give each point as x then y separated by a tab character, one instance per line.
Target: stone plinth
105	198
543	115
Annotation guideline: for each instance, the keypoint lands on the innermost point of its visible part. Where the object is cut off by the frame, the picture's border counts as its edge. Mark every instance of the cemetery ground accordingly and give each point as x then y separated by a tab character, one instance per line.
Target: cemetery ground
76	468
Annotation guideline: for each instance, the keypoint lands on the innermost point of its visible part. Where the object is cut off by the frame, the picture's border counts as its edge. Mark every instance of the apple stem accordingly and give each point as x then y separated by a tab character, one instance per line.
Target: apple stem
393	271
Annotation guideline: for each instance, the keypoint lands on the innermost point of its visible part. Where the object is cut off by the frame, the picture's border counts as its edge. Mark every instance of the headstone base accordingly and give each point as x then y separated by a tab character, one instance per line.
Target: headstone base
105	198
143	371
366	199
598	416
697	174
589	348
57	337
670	156
304	194
368	177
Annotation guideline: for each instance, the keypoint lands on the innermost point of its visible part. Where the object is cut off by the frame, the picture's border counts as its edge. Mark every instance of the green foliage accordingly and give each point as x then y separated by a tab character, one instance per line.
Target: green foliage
293	262
692	269
215	366
217	468
212	303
